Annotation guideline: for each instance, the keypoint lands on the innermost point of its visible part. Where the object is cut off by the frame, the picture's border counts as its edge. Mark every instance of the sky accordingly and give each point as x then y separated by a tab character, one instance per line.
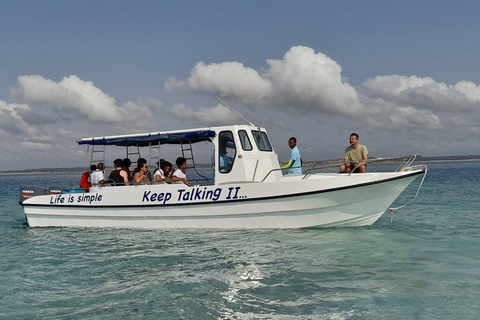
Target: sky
404	75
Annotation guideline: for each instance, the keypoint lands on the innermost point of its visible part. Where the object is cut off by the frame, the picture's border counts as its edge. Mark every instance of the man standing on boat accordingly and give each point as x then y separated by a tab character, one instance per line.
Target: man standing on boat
356	155
295	162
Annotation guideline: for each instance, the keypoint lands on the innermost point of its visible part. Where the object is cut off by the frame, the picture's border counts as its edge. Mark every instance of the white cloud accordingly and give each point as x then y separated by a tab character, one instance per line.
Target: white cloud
424	93
11	120
36	146
172	84
214	116
82	97
303	79
302	94
406	117
58	114
230	79
313	82
470	89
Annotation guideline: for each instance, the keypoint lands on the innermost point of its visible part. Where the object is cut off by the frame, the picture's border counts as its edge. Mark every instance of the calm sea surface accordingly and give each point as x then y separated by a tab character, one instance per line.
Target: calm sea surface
424	265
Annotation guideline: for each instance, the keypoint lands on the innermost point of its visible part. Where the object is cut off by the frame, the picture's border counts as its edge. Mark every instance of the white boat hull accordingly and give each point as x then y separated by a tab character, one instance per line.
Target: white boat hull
321	200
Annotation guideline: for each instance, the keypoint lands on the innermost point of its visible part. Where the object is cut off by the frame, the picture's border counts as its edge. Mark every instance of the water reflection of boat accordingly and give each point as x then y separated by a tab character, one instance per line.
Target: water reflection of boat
252	192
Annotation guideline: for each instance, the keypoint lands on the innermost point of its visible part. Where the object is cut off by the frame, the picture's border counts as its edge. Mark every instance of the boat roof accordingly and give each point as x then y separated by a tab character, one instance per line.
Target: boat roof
153	138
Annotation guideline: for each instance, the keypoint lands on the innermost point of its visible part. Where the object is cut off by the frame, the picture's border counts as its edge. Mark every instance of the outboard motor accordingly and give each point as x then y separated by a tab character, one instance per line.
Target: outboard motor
55	190
26	193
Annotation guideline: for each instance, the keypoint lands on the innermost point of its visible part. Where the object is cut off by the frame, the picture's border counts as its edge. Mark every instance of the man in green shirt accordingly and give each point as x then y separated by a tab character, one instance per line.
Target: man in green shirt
356	155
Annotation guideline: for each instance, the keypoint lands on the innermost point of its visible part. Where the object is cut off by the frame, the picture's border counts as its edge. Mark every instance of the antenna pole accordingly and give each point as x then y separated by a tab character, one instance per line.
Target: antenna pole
226	105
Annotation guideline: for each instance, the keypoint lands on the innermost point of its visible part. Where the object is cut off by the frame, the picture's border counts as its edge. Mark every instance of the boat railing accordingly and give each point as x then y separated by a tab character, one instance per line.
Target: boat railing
199	180
332	166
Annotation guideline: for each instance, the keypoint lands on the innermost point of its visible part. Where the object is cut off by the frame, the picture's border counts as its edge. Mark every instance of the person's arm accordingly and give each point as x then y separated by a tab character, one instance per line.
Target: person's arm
149	177
102	178
159	178
345	167
137	177
225	164
124	175
175	178
140	176
364	160
288	164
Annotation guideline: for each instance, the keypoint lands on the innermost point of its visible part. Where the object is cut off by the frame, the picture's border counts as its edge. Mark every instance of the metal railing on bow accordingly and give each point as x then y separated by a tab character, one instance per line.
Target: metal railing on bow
394	164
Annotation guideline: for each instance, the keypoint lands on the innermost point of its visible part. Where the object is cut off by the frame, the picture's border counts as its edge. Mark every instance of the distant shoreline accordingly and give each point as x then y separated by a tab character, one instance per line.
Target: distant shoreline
81	169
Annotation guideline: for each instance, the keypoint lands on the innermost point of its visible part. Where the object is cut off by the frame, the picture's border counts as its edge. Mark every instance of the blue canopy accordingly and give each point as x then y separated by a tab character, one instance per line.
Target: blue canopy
152	138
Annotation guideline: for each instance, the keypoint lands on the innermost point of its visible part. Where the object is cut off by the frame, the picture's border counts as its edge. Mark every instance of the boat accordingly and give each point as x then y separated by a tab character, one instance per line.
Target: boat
252	193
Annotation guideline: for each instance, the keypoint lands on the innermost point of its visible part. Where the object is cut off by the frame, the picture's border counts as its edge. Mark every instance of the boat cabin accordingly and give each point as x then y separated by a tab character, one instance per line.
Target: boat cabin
242	153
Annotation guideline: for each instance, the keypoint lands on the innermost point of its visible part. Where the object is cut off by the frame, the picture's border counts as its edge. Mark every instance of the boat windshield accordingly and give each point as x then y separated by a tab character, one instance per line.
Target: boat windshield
245	140
261	139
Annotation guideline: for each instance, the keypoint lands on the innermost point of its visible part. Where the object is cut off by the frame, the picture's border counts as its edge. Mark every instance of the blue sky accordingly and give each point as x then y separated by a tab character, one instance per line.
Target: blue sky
404	75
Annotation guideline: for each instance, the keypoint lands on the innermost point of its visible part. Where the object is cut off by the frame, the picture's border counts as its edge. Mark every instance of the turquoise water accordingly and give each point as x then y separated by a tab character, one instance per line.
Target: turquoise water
424	265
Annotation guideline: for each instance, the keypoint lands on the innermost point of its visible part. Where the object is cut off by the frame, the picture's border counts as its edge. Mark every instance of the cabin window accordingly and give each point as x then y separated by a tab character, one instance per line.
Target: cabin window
261	139
245	140
226	151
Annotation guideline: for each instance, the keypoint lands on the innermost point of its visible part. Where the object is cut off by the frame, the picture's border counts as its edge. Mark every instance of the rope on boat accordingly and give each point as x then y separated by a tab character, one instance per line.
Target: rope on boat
392	209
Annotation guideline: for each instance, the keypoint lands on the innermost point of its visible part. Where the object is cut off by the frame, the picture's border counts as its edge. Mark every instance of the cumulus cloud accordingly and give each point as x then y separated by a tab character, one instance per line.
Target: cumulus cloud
14	126
74	94
53	115
230	79
11	120
303	79
407	117
424	93
312	81
308	81
214	116
36	146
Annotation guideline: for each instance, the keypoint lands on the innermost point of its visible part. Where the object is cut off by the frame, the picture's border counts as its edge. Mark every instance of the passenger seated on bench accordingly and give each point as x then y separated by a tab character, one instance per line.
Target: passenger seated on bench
159	166
179	174
356	155
142	175
126	166
119	176
98	176
85	179
163	173
142	161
